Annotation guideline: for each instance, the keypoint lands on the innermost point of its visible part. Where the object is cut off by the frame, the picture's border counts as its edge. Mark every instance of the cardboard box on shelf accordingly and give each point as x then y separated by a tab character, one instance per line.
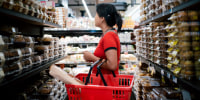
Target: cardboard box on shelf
104	1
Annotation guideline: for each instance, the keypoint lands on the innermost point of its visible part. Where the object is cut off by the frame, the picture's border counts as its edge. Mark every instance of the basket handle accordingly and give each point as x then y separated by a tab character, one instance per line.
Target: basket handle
99	72
88	77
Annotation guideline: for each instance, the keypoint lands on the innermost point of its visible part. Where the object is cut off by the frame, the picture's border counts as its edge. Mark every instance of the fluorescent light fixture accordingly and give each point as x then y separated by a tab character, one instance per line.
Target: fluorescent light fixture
87	10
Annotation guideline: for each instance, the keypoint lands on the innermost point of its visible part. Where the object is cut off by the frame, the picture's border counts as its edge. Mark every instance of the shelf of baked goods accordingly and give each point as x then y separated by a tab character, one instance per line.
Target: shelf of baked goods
130	42
187	84
27	18
65	32
59	32
23	76
23	57
160	11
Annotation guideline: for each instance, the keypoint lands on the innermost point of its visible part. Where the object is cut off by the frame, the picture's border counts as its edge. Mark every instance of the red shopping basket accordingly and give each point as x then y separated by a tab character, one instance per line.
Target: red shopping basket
118	87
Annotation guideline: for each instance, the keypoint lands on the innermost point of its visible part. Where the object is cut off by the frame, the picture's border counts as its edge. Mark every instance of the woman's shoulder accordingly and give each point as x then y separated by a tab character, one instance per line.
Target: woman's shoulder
111	32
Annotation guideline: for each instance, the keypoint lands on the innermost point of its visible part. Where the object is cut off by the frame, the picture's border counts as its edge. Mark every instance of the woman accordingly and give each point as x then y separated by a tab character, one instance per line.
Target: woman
108	48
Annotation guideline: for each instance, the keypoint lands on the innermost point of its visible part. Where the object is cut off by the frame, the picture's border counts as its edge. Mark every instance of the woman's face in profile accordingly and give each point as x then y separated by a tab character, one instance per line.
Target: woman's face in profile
98	20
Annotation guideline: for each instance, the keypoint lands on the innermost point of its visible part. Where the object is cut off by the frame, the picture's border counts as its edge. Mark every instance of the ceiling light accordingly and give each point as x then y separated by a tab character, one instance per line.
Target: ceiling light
87	10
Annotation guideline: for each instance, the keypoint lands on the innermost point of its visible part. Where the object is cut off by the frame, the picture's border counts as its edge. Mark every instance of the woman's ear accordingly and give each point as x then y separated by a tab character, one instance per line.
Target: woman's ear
102	19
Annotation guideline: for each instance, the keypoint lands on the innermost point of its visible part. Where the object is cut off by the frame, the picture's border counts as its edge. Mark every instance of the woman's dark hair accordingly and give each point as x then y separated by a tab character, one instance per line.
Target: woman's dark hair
109	12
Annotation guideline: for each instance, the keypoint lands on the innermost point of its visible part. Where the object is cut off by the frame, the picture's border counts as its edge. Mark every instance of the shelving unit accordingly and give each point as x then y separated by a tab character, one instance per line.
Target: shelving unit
193	86
166	14
79	32
26	18
25	25
97	43
22	77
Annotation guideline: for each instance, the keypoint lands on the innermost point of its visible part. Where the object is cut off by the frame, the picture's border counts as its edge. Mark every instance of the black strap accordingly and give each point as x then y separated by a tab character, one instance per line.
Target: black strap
88	77
98	72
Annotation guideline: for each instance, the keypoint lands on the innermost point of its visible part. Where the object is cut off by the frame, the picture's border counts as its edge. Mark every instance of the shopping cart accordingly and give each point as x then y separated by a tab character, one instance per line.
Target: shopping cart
101	87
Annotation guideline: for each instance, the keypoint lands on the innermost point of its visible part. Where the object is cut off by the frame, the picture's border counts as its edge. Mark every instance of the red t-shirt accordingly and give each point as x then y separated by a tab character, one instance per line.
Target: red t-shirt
109	41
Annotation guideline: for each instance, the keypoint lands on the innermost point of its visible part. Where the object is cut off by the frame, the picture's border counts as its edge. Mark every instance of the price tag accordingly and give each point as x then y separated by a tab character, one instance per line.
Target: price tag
168	75
162	72
174	79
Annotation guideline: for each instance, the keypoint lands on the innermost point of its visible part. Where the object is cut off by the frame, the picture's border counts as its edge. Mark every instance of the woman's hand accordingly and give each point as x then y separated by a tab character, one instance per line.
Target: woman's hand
88	56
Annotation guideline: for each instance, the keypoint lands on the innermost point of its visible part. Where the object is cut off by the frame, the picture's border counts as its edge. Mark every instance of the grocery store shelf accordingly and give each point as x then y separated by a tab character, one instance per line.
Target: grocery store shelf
22	77
130	42
78	32
129	52
126	43
166	14
26	18
83	43
133	62
189	85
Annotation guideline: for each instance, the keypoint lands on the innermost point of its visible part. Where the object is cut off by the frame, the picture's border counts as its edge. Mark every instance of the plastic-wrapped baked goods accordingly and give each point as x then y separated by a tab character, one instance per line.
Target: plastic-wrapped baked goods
48	40
45	57
170	93
56	54
18	6
2	74
19	41
36	60
194	26
45	89
31	10
183	16
41	49
193	15
27	64
29	42
51	55
8	4
12	55
2	59
15	69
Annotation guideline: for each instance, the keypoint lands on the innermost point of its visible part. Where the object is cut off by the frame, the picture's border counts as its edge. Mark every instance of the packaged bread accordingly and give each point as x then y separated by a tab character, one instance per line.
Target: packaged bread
48	40
8	4
194	26
15	69
183	16
19	41
2	59
29	42
41	49
31	10
193	15
170	93
18	6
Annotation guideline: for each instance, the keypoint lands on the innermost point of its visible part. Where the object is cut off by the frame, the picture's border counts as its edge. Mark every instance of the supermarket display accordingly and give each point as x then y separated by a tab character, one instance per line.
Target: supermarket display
61	16
25	52
160	59
148	86
29	7
42	88
168	42
152	8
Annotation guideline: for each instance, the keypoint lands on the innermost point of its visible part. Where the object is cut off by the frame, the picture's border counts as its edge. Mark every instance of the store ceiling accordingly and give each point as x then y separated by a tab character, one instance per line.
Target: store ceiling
77	6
